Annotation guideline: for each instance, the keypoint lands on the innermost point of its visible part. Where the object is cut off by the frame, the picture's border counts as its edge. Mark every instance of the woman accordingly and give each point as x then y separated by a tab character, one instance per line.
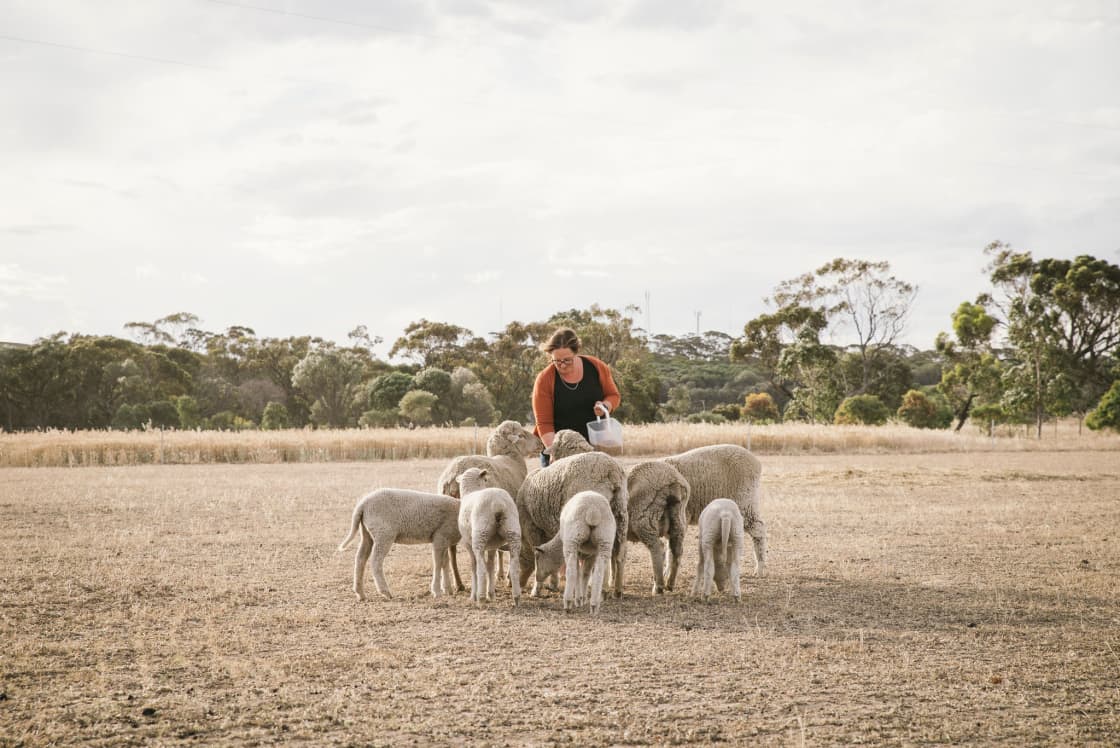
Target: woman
573	390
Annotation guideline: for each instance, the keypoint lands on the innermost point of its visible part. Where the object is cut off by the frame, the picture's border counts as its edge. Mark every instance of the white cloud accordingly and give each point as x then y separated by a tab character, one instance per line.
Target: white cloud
702	152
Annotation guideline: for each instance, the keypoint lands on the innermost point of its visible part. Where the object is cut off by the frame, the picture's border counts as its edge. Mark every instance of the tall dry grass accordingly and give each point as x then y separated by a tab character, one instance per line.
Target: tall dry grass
87	448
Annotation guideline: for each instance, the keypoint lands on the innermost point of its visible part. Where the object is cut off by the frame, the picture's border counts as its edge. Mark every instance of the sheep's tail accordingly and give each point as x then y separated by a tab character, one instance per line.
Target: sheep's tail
725	535
355	524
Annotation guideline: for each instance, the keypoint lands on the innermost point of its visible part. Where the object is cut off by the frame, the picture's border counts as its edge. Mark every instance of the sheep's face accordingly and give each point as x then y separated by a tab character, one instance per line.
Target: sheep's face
547	564
521	439
473	479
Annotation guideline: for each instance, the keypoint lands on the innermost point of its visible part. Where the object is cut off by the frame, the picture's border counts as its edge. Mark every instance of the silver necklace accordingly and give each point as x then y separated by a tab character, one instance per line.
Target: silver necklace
570	387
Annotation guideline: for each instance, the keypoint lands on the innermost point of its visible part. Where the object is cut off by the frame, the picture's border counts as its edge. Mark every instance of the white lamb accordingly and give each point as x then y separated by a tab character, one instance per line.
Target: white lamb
656	498
397	515
584	544
657	495
725	471
488	521
721	544
506	449
544	493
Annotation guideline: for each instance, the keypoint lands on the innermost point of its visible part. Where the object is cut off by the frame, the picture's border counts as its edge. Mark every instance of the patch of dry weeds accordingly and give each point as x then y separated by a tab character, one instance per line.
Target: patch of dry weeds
912	600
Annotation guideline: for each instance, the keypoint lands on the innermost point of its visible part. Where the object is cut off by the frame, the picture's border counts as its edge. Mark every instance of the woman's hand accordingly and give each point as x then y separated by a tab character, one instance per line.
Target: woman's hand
602	408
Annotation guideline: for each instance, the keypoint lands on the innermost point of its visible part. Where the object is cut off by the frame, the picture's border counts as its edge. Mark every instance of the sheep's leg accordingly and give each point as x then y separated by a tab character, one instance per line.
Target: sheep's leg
478	573
455	570
601	561
529	541
757	531
439	555
736	585
360	559
698	582
618	565
514	555
381	548
676	550
571	570
492	560
709	573
657	559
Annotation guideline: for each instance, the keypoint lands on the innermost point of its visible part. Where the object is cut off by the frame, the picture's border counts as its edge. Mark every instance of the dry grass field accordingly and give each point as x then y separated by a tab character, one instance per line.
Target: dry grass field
921	599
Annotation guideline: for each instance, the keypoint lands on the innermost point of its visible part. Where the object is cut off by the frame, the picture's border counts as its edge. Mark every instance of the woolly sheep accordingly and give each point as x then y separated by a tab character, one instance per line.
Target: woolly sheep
657	494
656	498
487	522
584	543
544	492
397	515
506	449
721	544
725	471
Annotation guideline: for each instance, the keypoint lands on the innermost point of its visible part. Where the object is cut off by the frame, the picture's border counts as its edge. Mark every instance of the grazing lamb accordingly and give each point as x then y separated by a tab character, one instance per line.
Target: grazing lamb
506	449
397	515
584	543
721	544
544	493
488	521
725	471
656	500
658	494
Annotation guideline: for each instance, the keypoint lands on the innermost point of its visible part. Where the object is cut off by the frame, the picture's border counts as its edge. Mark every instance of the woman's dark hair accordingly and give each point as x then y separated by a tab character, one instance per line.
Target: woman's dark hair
565	337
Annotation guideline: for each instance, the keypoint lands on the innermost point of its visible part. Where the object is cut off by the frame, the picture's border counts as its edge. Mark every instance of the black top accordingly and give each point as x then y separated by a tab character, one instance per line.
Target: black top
573	405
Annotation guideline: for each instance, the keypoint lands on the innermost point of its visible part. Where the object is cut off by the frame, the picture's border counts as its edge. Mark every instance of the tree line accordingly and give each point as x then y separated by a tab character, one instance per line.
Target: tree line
1042	342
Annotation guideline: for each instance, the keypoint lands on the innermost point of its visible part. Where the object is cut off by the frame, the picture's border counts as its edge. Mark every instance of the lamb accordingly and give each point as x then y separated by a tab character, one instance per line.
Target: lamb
725	471
397	515
721	544
488	521
544	493
506	449
585	543
656	497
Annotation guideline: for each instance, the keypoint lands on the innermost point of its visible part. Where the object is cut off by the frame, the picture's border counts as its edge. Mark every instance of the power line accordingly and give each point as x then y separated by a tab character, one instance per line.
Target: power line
127	55
322	19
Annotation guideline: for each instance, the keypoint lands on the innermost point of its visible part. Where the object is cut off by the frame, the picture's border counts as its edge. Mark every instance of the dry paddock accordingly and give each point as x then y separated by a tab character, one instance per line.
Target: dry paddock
912	600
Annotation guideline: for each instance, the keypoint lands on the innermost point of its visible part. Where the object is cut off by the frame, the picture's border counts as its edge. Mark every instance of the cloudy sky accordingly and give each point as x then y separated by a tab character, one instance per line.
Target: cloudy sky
306	166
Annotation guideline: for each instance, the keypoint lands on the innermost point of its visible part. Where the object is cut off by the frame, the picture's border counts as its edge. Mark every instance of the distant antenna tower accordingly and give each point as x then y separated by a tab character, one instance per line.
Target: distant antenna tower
697	322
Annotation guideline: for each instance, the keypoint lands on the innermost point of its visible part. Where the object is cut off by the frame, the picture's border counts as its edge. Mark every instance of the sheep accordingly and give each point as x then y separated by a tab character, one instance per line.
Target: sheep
584	543
721	544
506	449
544	492
656	498
657	495
488	521
397	515
725	471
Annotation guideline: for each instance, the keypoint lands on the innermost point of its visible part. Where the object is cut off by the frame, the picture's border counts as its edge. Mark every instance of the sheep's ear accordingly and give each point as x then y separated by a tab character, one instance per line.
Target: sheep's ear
538	550
484	472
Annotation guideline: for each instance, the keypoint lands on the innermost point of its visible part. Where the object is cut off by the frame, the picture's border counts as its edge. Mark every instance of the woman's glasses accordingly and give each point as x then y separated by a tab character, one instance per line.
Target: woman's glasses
563	361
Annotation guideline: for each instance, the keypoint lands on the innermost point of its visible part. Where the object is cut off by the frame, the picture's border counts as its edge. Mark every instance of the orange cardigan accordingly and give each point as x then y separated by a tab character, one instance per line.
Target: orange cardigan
544	391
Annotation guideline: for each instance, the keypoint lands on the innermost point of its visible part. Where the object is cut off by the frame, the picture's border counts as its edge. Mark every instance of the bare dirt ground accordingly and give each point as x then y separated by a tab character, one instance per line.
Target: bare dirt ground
911	600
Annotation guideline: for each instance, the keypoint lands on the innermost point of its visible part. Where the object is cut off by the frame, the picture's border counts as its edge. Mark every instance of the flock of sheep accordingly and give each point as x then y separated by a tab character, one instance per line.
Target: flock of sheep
578	513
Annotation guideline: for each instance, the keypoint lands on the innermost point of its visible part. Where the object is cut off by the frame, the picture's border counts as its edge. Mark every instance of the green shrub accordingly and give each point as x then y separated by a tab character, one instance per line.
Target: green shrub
1107	413
923	412
706	416
730	411
861	409
275	417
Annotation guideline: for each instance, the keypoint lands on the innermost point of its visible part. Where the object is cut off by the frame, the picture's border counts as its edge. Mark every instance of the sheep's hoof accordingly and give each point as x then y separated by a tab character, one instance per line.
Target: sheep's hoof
551	587
516	601
658	590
